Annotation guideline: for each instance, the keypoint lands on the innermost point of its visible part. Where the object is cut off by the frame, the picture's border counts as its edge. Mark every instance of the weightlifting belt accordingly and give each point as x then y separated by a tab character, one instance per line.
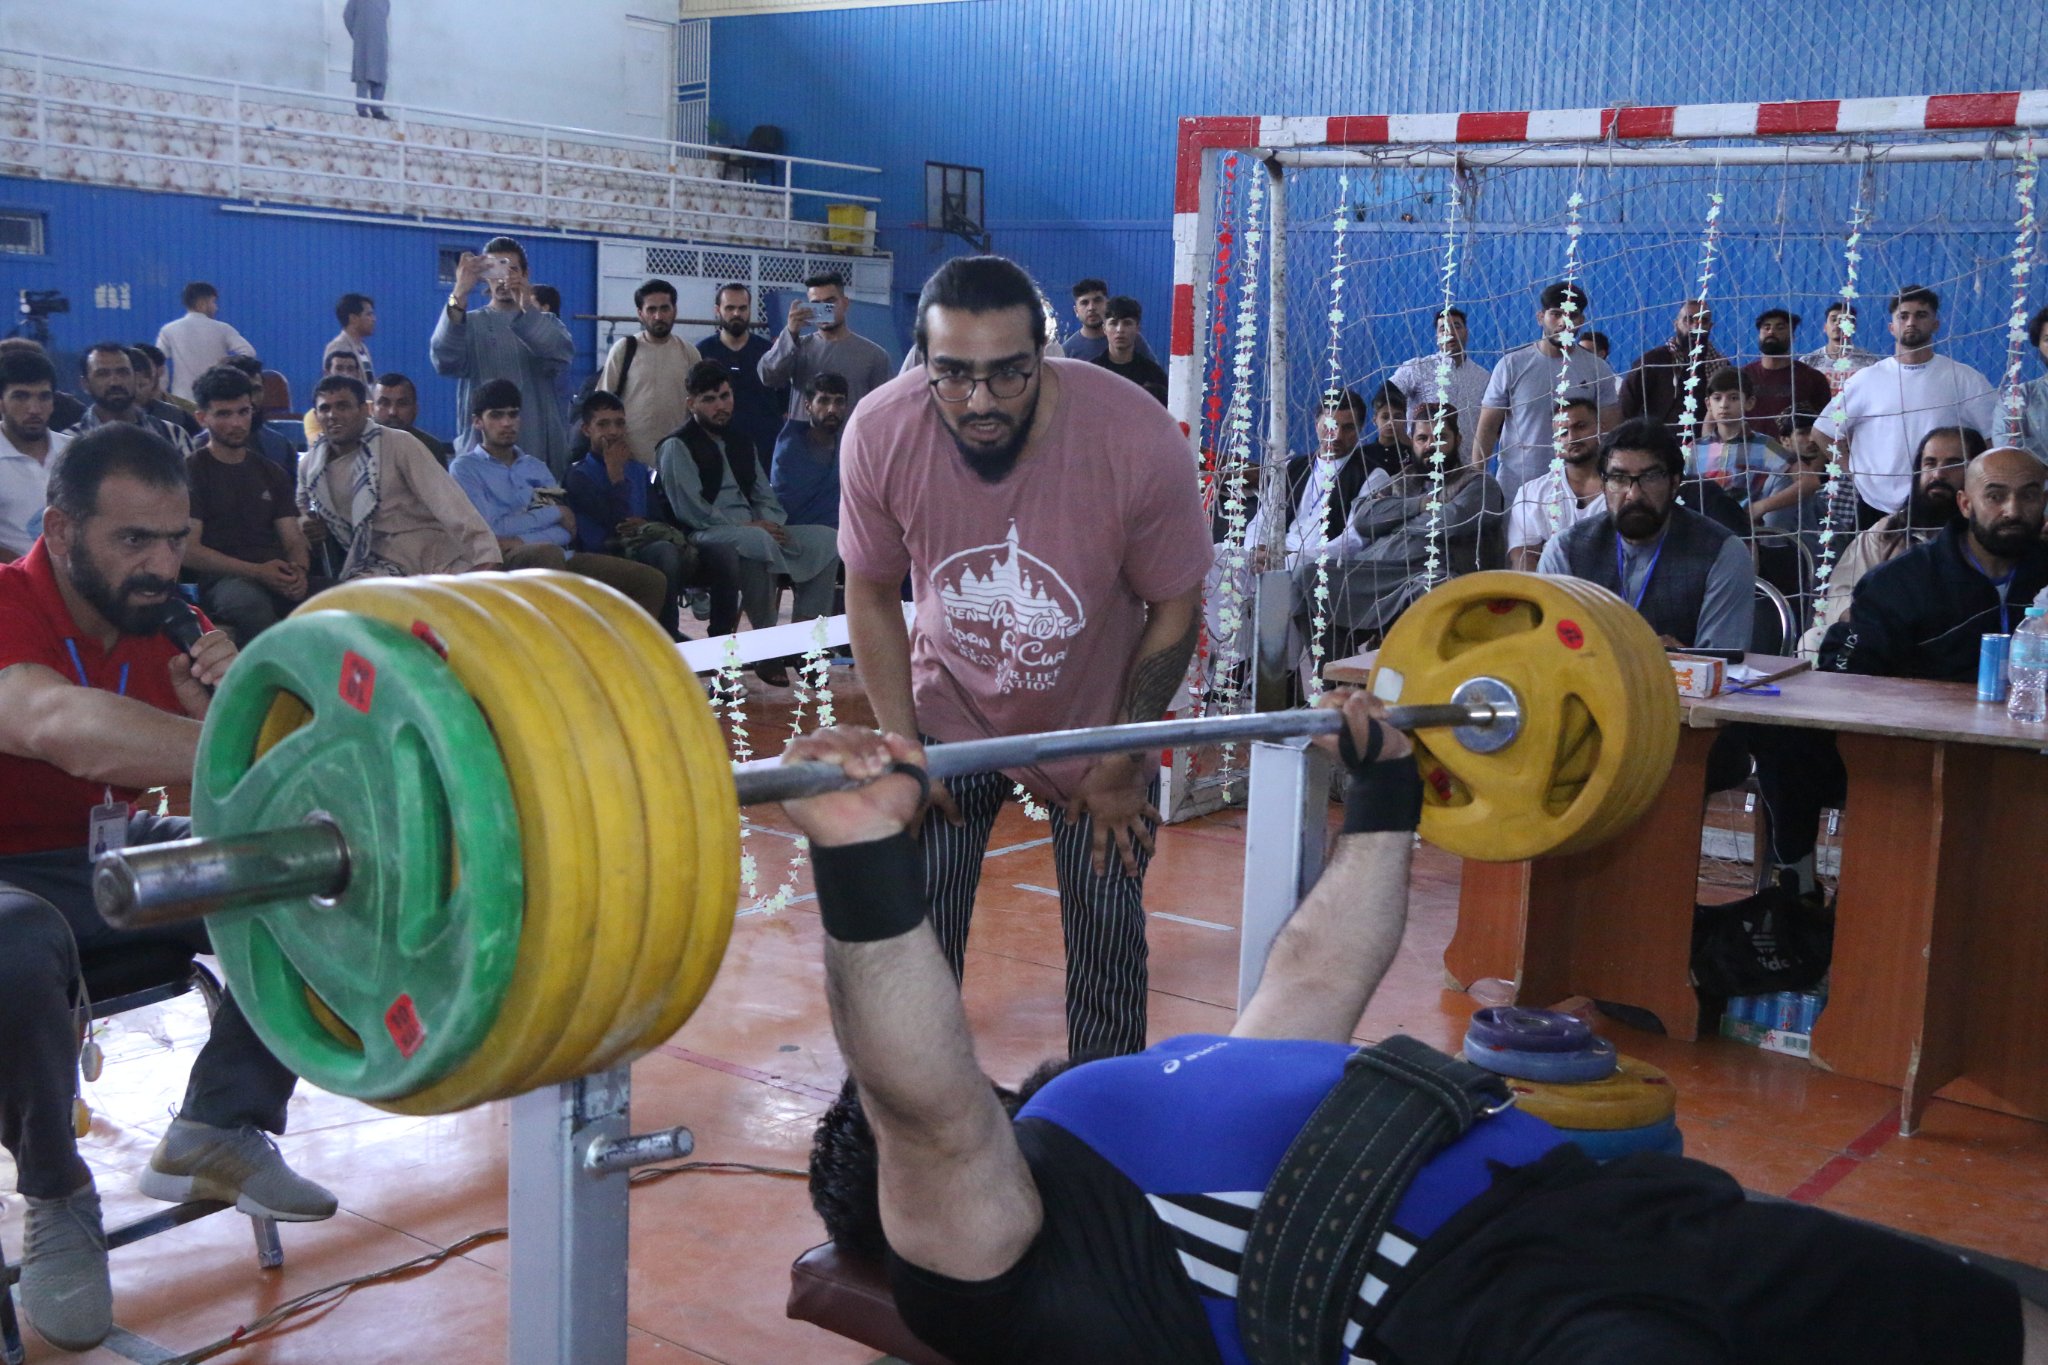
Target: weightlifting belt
1397	1104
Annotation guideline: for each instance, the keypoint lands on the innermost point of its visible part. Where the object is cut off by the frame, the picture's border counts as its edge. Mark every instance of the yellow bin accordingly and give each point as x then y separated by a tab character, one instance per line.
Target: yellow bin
851	225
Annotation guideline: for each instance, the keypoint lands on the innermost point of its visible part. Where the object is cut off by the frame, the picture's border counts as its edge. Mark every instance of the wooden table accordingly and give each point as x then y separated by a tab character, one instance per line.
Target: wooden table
1940	975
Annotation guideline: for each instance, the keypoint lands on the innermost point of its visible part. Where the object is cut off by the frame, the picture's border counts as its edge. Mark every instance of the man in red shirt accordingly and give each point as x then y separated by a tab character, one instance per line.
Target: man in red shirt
96	706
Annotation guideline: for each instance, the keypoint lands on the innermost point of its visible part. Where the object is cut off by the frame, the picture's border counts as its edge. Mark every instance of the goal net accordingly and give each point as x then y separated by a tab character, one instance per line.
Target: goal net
1318	256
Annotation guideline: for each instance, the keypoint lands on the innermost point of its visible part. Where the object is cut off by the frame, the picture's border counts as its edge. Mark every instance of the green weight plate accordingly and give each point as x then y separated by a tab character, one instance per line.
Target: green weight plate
393	985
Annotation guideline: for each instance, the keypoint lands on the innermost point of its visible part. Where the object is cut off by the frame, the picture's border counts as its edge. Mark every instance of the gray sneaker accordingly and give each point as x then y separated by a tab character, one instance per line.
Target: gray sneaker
239	1166
64	1287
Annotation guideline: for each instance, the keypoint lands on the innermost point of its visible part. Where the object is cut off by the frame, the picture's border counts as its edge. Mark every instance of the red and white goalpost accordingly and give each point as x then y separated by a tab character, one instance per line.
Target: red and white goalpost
1313	254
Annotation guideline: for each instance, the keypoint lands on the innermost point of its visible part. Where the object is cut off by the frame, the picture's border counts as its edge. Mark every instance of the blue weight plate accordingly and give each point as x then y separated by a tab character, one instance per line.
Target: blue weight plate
1619	1142
1526	1030
1594	1062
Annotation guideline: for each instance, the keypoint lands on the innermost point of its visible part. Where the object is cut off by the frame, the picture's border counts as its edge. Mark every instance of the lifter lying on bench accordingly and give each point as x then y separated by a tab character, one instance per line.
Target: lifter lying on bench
1281	1193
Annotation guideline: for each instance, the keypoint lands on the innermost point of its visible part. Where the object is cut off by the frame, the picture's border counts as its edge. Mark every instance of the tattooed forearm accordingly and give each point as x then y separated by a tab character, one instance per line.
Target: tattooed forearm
1157	676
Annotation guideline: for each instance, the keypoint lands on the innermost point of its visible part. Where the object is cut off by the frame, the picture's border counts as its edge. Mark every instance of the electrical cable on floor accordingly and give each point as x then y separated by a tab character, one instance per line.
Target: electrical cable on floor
329	1295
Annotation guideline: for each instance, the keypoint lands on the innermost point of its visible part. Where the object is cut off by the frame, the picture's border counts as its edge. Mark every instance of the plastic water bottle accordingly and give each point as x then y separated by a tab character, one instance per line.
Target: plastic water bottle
2027	666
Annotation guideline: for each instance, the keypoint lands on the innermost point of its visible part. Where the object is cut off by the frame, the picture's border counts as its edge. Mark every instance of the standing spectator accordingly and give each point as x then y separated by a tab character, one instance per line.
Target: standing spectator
150	364
611	495
1840	325
1657	387
756	409
1886	408
1596	342
647	371
397	405
1121	326
806	468
108	369
1728	452
246	548
65	410
270	444
1091	307
1515	416
345	364
717	490
1448	370
1559	497
2033	426
1777	384
513	338
369	29
1056	545
199	340
357	314
379	501
28	386
835	346
528	512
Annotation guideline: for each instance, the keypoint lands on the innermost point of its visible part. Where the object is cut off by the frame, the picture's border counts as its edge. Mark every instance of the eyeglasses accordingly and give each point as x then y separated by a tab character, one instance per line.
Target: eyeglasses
1649	481
1004	383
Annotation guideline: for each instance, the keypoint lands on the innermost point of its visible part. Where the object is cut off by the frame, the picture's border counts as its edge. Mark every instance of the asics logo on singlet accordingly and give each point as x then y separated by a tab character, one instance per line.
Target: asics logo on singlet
1174	1065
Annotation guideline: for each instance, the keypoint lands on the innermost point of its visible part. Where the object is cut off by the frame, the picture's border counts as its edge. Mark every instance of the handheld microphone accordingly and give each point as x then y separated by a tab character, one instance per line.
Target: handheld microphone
182	624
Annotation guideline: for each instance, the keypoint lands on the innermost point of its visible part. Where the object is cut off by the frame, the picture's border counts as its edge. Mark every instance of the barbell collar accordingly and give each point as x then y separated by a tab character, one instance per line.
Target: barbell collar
187	879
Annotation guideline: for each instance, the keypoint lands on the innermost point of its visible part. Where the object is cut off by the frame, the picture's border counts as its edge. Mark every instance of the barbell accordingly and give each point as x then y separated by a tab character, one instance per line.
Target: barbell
460	838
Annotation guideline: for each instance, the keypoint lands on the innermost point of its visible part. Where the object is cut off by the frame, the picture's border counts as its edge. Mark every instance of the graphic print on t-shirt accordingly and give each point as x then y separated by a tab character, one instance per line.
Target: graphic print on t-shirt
1009	611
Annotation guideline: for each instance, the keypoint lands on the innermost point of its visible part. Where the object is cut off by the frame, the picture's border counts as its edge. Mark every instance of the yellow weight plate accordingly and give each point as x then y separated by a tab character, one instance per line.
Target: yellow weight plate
617	914
1635	1096
1597	735
700	917
557	831
659	774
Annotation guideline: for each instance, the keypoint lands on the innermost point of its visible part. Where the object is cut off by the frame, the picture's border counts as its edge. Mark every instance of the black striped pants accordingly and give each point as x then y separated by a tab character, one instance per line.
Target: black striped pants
1102	916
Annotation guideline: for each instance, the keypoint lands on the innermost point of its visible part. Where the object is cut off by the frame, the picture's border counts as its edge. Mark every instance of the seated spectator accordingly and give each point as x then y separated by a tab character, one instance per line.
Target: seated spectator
65	410
199	340
28	447
2033	433
1655	388
528	513
1937	481
1777	385
247	551
1120	356
610	493
1339	473
1596	342
1690	579
150	365
341	362
805	471
270	444
1547	504
1449	370
97	704
712	479
397	406
108	369
379	502
1381	560
1793	499
1727	452
513	338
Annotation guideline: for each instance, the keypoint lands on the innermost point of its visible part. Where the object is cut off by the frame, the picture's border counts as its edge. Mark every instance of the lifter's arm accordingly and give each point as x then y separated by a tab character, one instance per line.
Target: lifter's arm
956	1196
1328	959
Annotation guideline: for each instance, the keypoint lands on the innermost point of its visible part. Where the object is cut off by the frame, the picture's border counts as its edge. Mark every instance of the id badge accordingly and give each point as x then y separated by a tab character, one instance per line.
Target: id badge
106	828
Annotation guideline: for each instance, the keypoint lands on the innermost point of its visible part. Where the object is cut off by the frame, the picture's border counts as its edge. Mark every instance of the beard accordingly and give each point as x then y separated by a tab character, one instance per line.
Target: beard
2008	539
1933	507
118	604
1773	346
993	463
1913	338
1639	522
116	400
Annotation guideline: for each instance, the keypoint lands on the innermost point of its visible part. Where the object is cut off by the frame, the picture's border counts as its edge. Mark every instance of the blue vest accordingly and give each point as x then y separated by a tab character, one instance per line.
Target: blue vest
1199	1124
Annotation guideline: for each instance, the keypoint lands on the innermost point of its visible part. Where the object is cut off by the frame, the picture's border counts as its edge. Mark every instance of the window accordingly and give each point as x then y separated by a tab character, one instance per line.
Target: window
21	233
450	261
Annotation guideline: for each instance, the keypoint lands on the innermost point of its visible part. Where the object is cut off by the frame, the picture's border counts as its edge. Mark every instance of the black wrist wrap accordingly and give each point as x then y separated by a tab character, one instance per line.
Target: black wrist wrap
872	891
1381	796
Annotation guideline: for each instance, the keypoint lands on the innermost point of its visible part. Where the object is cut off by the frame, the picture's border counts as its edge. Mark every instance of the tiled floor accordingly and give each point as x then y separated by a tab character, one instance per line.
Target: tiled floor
750	1072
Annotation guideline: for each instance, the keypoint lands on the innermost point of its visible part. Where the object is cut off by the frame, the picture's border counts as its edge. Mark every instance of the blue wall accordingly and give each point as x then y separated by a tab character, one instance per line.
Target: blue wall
278	277
1070	106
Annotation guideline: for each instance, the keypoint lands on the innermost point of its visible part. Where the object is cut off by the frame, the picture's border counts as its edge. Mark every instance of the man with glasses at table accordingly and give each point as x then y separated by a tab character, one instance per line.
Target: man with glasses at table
1051	526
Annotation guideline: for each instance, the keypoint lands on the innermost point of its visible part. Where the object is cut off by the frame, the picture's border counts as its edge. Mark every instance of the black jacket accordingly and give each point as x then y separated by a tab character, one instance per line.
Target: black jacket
1922	614
1351	477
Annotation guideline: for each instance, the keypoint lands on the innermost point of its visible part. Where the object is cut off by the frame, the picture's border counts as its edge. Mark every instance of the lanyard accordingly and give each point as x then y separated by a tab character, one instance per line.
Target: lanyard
1621	570
83	681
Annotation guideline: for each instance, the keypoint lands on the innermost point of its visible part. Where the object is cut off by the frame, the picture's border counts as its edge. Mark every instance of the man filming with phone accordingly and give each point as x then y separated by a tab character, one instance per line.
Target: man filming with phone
831	346
512	338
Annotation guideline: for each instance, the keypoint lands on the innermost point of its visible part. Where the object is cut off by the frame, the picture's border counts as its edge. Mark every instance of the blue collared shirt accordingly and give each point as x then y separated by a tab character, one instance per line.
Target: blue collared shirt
504	494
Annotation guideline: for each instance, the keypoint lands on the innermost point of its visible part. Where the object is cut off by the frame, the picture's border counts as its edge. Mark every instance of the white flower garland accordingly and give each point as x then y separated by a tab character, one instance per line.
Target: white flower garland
1560	508
1235	456
1333	393
1695	407
2022	264
1433	561
729	692
1834	484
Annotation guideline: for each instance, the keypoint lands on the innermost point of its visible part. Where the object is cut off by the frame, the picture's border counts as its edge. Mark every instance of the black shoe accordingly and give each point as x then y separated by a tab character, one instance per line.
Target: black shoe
774	672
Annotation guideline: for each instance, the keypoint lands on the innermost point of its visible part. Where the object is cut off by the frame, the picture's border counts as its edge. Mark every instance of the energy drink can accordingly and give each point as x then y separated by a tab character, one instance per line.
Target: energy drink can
1991	656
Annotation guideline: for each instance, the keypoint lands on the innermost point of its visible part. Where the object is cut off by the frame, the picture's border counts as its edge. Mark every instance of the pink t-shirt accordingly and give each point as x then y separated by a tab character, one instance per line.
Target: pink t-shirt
1030	593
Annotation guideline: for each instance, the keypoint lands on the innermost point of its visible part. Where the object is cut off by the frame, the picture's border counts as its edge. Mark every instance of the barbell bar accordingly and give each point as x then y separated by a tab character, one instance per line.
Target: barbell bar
187	879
